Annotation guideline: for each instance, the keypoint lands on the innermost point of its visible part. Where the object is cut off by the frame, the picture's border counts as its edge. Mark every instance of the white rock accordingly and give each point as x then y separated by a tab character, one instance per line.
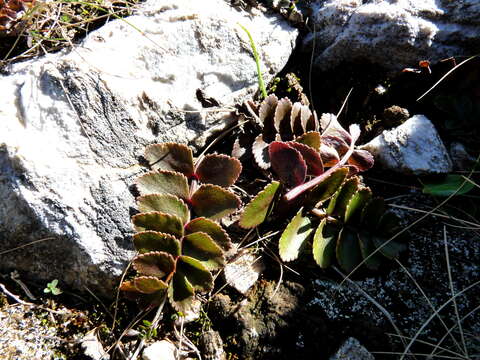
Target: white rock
75	123
243	272
92	347
393	34
412	148
351	349
160	350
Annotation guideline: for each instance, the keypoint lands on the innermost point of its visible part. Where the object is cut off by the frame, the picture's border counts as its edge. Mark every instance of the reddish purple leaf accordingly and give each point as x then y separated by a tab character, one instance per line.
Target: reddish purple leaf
361	159
287	163
311	157
221	170
329	155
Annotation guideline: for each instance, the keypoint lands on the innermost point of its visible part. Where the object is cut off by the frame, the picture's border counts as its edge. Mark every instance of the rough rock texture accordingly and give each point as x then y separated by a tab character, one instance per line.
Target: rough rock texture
211	346
350	312
75	123
393	34
412	148
163	350
351	349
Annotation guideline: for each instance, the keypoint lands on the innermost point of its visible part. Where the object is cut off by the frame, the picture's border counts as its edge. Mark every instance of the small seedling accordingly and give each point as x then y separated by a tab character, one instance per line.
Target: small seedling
52	288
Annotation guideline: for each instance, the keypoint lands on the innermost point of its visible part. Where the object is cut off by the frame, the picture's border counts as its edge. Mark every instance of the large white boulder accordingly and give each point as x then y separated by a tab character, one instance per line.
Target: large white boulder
75	123
393	33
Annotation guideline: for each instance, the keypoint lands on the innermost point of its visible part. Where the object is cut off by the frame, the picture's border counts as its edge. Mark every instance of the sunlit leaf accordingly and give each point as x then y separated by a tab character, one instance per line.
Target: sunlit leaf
260	152
331	127
165	203
287	163
326	188
214	202
149	284
163	182
294	236
312	158
158	221
324	242
361	159
336	143
197	274
221	170
170	156
257	209
201	247
282	118
267	115
296	119
147	241
356	204
348	250
311	138
181	292
329	155
338	203
212	229
155	263
448	186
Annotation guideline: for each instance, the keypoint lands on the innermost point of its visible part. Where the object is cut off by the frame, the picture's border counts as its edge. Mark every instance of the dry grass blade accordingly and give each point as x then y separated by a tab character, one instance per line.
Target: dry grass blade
25	245
453	353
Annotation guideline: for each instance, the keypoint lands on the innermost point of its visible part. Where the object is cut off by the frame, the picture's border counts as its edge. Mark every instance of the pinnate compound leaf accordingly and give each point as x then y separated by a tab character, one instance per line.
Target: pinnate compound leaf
326	188
312	158
158	221
367	248
294	236
372	213
163	182
311	138
260	152
147	241
149	284
257	210
338	203
324	242
171	157
214	202
212	229
221	170
201	247
389	248
348	250
449	185
165	203
197	274
287	163
356	204
155	263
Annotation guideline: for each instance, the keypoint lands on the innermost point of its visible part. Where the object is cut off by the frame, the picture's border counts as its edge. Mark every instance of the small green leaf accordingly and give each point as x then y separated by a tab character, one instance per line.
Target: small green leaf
367	247
180	292
158	221
348	250
168	204
201	247
294	236
147	241
212	229
221	170
163	182
257	209
338	203
214	202
356	204
372	213
311	138
148	284
389	248
324	242
326	188
448	186
287	163
197	274
155	263
171	157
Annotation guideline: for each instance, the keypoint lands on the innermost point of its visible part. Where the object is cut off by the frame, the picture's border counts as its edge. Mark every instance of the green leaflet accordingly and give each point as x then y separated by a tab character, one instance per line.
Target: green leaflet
165	203
294	236
201	246
324	242
163	182
257	210
158	221
214	202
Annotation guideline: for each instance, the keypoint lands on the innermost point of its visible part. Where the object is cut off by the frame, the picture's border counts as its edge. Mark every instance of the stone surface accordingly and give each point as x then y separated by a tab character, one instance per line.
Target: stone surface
243	272
351	349
92	347
75	123
412	148
211	346
393	34
160	350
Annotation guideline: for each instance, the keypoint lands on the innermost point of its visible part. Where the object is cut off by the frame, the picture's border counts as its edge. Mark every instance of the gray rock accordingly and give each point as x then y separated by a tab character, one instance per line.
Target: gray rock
75	123
211	345
393	34
351	349
160	350
412	148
